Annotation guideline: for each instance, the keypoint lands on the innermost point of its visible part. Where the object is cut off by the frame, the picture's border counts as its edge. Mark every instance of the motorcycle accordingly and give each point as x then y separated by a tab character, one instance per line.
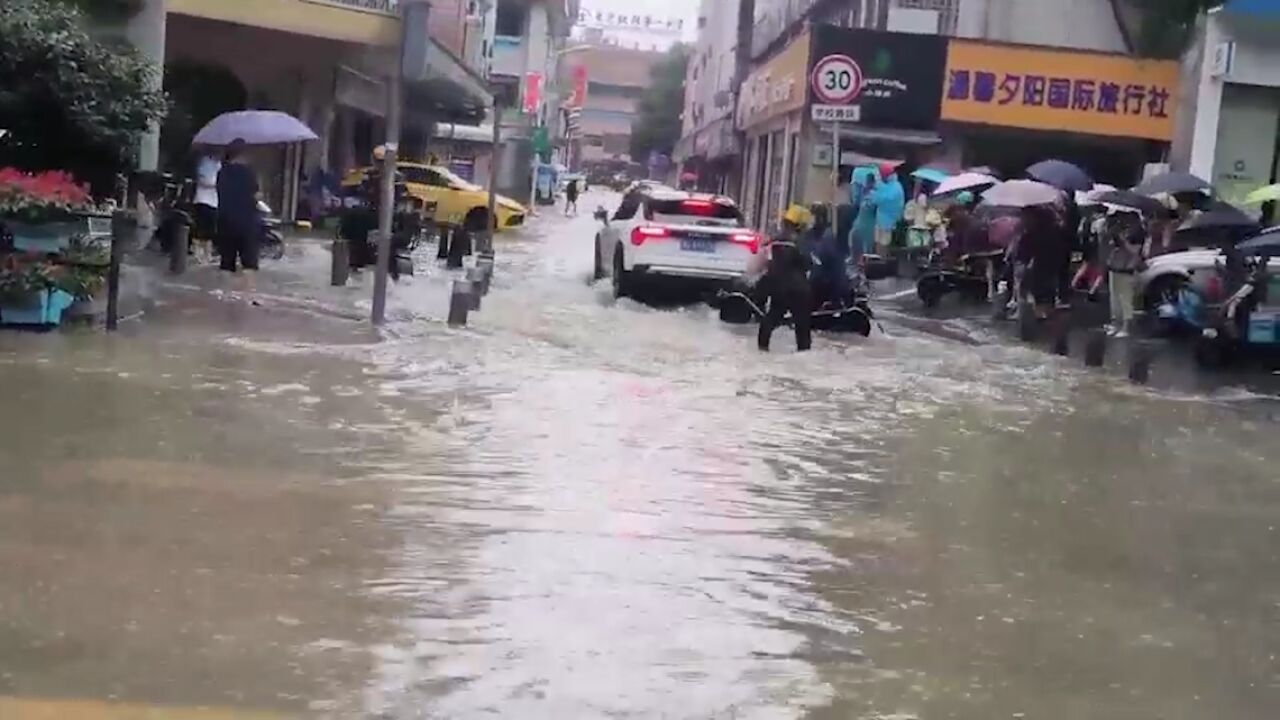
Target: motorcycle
176	209
744	304
1246	319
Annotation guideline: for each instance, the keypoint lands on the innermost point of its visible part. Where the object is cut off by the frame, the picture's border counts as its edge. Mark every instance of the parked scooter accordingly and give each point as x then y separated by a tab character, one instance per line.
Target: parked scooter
1246	319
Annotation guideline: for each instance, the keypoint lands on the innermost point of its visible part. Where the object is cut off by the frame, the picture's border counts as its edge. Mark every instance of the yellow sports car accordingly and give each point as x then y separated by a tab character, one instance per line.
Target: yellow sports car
457	201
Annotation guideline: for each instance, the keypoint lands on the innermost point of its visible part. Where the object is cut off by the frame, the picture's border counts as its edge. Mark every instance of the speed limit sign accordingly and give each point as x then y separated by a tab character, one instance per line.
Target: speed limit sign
837	80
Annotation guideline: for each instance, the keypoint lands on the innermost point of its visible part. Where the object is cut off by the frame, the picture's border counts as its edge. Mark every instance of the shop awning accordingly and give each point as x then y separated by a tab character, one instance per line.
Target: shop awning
438	87
905	137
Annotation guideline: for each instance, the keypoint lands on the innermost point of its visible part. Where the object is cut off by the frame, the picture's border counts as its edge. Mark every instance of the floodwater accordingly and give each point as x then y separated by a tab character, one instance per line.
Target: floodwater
577	508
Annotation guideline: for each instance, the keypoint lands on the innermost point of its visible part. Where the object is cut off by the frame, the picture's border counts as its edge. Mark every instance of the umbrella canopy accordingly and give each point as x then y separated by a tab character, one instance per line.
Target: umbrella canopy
984	170
1223	216
1021	194
1144	204
1173	183
1085	199
1270	193
932	175
971	181
1061	174
255	127
1266	243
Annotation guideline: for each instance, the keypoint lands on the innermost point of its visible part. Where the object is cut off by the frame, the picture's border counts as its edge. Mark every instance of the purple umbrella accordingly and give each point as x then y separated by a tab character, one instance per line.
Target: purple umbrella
255	127
1062	175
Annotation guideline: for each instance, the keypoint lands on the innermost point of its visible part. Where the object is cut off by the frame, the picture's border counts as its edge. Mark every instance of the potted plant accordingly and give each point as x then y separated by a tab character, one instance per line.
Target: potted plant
41	212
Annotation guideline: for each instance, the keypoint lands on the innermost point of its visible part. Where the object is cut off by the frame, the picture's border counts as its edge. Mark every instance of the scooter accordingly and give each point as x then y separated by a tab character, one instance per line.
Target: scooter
742	305
1244	320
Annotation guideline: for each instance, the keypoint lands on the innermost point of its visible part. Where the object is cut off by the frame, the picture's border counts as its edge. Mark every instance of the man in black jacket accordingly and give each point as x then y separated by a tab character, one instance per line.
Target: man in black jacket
787	282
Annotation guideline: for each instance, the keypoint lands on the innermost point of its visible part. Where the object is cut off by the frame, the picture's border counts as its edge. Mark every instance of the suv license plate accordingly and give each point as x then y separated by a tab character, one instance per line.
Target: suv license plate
702	245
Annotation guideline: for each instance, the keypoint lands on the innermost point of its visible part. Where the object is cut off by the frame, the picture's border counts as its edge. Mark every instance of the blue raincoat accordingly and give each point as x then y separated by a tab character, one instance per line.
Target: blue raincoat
861	191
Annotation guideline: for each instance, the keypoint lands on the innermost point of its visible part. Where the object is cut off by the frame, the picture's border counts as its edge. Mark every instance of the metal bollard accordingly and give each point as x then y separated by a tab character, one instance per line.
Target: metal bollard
474	276
1141	353
340	265
457	248
460	303
1095	348
1028	323
485	264
1060	331
123	229
442	241
179	248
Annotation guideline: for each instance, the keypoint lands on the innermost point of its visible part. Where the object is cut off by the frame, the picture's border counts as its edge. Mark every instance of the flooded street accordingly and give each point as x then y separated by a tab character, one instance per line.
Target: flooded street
577	508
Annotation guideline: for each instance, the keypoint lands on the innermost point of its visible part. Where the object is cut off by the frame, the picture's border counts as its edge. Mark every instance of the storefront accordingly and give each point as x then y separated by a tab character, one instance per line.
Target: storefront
770	113
898	106
1231	115
1008	106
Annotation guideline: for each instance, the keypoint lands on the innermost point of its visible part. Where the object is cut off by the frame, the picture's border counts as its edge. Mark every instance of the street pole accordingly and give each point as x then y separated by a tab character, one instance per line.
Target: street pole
387	193
487	236
835	180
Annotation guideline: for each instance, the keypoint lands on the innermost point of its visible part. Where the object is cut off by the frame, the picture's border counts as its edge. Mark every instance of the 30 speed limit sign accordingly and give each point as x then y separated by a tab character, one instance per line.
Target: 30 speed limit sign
837	80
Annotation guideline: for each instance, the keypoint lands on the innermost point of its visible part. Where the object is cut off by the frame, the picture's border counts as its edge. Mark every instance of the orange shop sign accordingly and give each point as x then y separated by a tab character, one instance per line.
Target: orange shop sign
778	87
1077	92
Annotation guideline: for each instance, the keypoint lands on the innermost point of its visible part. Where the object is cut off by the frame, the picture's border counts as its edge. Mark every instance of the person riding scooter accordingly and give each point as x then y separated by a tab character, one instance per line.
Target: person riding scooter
830	275
786	281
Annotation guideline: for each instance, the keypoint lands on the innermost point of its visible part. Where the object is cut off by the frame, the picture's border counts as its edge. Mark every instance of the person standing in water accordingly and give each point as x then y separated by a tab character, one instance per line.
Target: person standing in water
239	224
787	282
571	198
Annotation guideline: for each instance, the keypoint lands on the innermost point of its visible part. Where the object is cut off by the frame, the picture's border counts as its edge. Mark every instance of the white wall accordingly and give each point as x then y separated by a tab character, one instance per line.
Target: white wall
1083	24
713	60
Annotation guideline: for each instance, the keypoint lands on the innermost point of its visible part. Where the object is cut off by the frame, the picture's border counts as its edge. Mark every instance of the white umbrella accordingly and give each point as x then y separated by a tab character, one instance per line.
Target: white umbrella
254	127
970	181
1089	198
1021	194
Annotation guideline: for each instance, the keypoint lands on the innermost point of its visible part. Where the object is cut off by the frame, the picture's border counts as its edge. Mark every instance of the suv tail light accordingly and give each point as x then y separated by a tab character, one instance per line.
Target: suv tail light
749	240
641	234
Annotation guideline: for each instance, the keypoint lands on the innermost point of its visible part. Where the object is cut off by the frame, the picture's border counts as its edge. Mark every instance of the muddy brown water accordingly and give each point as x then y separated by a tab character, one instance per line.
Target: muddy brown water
577	508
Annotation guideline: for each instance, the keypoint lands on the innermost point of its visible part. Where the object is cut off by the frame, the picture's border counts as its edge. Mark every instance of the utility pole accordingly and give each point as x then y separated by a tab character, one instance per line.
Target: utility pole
387	193
487	236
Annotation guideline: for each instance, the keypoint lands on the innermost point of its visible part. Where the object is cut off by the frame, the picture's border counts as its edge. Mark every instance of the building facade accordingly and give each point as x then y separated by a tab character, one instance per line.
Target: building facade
709	145
528	41
944	83
327	62
1229	122
615	79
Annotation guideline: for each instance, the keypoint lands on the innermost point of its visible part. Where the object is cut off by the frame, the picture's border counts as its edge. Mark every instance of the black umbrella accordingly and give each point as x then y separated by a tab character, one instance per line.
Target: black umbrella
1062	175
1268	243
1144	204
1173	183
1221	216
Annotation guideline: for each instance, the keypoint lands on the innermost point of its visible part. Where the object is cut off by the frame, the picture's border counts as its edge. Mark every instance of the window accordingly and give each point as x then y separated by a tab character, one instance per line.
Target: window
511	19
422	176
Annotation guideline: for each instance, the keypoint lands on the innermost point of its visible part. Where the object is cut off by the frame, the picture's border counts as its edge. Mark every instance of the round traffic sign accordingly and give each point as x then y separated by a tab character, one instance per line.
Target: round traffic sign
837	80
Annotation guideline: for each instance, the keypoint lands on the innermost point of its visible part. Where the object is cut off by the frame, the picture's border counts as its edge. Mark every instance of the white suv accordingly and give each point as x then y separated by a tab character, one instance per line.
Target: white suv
674	236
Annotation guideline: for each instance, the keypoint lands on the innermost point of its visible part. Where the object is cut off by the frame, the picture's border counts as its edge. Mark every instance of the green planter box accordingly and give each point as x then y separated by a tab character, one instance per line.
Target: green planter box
43	309
47	237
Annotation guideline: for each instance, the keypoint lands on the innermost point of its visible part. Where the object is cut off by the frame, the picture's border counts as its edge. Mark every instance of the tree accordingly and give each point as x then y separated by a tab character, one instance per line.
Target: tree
67	100
1166	25
657	127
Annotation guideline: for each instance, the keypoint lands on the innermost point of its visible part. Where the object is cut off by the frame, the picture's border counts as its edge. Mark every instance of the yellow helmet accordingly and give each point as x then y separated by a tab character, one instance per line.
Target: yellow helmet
799	216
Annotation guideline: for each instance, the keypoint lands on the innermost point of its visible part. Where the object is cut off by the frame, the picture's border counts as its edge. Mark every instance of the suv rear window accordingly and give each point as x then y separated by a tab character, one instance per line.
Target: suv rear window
693	211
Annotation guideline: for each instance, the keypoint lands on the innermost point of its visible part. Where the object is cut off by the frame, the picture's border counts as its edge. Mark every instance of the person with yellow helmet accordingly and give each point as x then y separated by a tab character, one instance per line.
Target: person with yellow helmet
786	281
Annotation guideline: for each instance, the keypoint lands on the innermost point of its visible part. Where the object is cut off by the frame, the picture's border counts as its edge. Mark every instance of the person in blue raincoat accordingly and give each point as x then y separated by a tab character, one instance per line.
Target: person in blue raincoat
862	233
890	200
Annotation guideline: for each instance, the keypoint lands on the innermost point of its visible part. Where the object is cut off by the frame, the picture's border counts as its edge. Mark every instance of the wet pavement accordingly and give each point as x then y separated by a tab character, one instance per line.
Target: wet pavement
581	508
